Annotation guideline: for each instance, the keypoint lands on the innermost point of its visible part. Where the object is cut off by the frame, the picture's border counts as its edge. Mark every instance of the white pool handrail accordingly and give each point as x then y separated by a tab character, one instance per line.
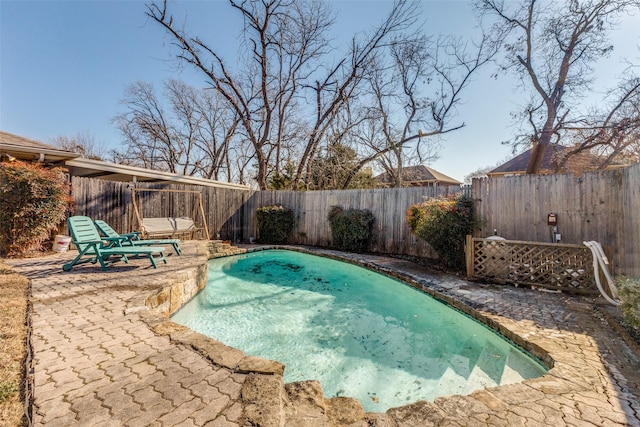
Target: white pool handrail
600	261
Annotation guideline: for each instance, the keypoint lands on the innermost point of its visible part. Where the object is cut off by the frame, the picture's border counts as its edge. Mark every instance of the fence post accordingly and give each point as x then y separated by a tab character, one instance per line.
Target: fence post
468	253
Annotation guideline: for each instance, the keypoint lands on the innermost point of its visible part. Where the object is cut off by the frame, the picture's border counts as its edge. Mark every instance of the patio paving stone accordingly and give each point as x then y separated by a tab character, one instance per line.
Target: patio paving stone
97	362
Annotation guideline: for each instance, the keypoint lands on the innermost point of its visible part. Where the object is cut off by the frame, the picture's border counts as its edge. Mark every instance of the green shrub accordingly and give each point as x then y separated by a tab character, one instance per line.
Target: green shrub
351	229
444	222
275	224
629	290
34	202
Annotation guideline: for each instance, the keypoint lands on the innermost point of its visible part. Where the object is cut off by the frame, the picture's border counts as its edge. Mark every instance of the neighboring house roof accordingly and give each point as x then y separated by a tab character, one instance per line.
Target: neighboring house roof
419	175
550	162
31	150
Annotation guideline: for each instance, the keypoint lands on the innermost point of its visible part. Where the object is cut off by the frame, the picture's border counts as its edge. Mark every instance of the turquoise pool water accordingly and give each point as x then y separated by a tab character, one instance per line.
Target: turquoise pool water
360	333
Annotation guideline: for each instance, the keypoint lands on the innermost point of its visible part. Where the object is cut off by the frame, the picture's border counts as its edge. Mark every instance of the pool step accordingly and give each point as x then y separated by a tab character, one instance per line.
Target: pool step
221	248
489	368
513	368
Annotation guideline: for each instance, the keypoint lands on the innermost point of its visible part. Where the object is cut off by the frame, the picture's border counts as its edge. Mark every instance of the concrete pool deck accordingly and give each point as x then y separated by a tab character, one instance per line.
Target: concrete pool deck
97	362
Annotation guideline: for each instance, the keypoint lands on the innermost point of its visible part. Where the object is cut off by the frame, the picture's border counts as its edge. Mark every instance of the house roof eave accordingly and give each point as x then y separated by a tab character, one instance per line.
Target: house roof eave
115	172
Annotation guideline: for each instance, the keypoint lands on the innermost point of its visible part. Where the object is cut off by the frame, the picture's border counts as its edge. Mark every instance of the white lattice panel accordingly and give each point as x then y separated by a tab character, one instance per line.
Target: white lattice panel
553	266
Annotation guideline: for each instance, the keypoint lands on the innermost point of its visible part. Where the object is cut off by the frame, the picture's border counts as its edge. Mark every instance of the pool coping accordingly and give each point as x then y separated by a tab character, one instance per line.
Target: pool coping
565	374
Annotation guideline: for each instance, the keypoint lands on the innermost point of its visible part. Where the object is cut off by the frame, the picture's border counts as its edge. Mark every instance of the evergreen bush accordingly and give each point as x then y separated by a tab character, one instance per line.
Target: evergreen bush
351	229
275	224
444	222
34	202
629	290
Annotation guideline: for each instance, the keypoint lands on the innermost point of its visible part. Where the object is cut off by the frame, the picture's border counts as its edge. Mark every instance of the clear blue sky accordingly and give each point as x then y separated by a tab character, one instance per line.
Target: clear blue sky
64	66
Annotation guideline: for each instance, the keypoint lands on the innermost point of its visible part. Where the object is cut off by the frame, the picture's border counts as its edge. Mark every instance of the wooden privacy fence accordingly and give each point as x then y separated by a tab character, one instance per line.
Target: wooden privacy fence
231	213
391	234
601	206
112	202
556	266
597	206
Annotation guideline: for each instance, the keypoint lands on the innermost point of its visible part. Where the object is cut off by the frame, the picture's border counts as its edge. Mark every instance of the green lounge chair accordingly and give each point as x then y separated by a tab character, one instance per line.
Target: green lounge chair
90	244
133	239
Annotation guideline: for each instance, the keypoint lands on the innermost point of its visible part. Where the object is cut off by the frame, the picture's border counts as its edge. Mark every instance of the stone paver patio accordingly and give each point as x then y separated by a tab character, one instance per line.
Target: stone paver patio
97	361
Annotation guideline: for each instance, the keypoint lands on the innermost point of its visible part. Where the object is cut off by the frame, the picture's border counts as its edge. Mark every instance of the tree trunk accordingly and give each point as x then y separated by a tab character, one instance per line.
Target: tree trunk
537	155
261	178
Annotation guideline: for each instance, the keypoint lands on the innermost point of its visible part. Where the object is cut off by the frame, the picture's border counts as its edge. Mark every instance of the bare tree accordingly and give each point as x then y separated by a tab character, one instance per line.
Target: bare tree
145	126
83	143
191	137
414	97
342	84
613	135
216	135
412	67
553	46
286	53
240	158
282	39
294	102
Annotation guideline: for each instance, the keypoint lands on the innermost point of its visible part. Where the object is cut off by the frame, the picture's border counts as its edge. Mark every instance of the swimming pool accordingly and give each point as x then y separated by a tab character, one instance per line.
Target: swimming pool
362	334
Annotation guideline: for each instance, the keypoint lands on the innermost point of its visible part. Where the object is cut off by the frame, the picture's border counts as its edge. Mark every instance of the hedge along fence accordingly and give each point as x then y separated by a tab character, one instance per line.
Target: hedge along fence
390	233
444	223
275	224
351	228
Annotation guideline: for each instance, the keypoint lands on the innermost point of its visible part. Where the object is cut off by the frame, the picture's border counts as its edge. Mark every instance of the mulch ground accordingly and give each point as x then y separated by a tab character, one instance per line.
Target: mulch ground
14	289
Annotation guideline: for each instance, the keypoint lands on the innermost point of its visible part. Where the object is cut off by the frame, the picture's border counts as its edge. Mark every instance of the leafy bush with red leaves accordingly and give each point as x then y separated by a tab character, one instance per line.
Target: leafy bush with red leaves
34	202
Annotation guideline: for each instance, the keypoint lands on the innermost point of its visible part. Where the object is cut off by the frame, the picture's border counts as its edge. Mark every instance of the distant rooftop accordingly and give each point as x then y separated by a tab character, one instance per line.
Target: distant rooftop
553	155
519	163
419	176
